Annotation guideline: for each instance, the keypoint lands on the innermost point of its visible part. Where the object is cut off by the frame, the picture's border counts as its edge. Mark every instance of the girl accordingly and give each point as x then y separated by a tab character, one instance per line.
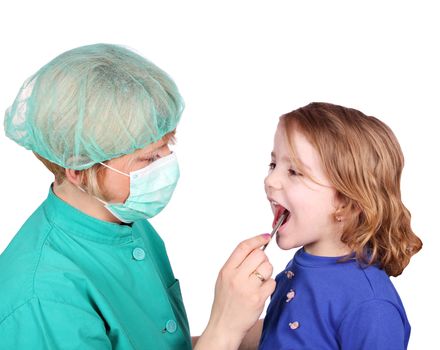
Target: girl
87	270
337	173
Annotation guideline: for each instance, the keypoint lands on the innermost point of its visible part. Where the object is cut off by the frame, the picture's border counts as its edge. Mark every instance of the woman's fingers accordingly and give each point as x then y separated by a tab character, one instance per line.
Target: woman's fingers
252	261
263	272
244	249
243	285
268	288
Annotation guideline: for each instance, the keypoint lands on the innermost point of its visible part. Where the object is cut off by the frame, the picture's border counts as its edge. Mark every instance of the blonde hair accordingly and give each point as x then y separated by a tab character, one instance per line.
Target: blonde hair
363	160
91	104
90	177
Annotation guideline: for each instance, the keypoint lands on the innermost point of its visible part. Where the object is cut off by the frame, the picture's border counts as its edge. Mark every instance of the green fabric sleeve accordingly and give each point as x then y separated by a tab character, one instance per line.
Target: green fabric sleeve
43	324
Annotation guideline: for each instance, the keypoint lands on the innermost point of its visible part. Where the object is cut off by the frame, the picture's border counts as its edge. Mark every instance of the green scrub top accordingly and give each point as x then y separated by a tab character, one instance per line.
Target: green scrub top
70	281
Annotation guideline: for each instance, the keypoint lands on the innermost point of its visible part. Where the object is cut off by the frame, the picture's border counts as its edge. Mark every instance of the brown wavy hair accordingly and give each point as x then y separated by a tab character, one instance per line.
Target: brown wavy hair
363	160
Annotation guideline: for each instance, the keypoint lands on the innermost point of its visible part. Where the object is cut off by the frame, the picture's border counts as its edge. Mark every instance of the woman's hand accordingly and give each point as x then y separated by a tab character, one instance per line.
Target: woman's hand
243	285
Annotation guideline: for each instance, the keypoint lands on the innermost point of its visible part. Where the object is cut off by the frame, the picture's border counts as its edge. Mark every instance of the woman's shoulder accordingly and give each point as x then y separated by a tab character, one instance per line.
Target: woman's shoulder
36	266
19	263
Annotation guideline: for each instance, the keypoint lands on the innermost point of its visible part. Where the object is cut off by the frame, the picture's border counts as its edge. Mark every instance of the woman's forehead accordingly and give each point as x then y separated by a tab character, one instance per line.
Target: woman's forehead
152	147
148	150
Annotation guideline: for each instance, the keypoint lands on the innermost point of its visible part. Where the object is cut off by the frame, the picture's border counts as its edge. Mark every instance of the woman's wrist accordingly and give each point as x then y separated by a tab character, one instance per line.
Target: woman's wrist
213	338
239	296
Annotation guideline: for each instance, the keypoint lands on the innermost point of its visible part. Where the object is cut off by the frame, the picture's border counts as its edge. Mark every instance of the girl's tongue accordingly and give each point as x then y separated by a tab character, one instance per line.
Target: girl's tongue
279	210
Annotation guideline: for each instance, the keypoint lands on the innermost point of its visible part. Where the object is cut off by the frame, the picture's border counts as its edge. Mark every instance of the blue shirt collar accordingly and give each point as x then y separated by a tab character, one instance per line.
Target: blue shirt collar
305	259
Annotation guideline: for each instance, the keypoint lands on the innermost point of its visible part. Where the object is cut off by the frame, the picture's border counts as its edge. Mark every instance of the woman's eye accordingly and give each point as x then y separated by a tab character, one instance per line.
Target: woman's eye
272	165
150	159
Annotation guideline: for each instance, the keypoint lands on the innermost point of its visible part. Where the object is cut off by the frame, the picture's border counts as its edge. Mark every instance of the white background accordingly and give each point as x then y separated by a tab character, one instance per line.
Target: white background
239	66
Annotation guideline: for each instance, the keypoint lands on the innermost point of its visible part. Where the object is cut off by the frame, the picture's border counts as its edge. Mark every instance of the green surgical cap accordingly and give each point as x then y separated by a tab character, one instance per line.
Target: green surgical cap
92	104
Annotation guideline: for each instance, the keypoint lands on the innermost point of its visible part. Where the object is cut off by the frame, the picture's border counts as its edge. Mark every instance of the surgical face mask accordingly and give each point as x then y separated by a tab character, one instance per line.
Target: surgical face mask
151	189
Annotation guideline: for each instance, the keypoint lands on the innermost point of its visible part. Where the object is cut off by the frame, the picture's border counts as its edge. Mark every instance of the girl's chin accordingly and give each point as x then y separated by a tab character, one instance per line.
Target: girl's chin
286	244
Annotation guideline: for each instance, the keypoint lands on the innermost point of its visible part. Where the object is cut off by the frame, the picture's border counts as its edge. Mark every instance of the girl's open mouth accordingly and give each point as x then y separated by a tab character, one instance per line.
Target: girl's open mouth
278	210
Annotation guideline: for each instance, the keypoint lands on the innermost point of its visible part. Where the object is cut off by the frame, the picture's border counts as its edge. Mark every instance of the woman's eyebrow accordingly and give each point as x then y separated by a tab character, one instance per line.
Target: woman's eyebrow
169	138
147	155
153	152
144	154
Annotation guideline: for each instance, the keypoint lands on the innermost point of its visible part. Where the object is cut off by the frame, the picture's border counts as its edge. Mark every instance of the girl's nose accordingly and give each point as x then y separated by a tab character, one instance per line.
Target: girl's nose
272	181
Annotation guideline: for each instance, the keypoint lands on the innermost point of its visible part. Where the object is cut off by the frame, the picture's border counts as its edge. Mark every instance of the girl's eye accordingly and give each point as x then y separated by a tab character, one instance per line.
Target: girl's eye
272	165
294	173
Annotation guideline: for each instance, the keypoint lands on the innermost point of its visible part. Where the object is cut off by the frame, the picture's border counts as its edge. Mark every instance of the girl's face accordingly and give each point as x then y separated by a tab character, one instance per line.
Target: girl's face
116	186
312	206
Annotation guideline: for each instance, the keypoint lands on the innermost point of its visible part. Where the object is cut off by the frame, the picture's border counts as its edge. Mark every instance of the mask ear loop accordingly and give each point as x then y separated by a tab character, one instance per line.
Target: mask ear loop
111	168
97	198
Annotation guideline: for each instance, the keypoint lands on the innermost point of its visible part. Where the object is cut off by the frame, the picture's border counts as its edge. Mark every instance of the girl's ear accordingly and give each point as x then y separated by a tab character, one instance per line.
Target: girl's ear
75	177
347	209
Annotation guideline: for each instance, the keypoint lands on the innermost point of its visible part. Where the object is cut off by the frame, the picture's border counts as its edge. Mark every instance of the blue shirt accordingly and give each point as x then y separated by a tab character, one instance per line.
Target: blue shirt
320	303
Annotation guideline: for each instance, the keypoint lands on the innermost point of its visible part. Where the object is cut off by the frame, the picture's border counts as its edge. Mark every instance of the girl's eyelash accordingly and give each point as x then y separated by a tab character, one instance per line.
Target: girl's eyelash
292	172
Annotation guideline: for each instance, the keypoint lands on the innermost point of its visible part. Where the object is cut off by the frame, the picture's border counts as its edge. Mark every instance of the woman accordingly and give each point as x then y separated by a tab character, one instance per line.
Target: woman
87	270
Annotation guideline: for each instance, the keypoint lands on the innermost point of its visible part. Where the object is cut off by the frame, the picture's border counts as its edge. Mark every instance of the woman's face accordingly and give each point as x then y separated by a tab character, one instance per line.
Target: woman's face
115	186
312	206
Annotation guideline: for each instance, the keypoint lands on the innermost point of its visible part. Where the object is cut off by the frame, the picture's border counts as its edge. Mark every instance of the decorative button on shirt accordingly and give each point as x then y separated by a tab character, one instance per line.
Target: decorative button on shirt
138	254
171	326
294	325
289	274
290	295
